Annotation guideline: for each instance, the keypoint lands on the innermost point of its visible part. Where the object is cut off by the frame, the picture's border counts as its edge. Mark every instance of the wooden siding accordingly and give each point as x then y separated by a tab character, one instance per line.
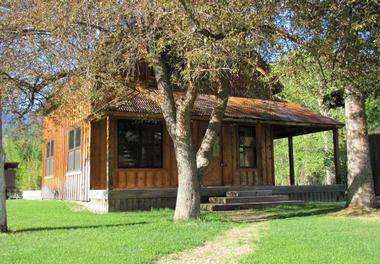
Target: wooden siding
123	178
61	185
98	155
232	173
140	178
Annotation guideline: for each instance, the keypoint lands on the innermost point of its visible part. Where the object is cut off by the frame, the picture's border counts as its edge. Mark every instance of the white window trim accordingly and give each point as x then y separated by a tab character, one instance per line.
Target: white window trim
50	158
72	172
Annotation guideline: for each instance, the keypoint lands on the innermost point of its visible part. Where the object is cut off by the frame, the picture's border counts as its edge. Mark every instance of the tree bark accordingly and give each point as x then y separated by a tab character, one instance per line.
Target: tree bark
361	194
189	195
3	212
177	114
214	125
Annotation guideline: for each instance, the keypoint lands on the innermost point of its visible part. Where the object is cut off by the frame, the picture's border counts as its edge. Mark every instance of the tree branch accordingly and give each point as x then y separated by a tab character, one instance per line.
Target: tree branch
199	29
213	129
165	88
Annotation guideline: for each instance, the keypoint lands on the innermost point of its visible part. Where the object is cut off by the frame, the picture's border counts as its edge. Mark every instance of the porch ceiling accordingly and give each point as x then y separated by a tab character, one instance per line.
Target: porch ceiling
283	131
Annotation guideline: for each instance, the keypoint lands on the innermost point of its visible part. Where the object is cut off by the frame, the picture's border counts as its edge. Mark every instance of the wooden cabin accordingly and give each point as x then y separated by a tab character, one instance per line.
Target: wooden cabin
124	158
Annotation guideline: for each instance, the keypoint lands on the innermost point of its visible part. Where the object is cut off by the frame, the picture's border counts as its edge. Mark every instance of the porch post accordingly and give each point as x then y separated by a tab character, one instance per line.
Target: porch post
109	153
336	155
291	160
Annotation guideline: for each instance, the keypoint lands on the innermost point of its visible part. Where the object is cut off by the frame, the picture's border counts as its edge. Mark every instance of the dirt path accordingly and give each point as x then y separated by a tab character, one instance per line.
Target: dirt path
228	247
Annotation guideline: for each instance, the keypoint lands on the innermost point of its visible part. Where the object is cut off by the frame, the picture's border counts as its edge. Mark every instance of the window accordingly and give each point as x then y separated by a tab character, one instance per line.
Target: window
49	164
74	150
247	147
139	144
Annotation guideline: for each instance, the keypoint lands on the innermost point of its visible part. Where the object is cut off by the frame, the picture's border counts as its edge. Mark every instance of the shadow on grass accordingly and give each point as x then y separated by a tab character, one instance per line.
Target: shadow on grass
309	209
284	212
38	229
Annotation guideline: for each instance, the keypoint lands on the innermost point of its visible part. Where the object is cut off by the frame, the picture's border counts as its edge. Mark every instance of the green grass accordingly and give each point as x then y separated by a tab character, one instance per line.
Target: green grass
308	234
50	232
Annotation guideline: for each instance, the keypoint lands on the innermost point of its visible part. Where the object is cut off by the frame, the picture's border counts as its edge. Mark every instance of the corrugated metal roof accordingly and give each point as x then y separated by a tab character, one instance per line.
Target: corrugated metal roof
237	107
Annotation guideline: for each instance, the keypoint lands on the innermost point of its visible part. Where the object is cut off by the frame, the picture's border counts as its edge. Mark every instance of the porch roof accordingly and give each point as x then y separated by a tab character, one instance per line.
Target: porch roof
279	113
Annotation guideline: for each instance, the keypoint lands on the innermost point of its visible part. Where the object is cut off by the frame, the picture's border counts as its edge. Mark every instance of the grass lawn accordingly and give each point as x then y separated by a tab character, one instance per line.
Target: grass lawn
307	234
54	232
51	232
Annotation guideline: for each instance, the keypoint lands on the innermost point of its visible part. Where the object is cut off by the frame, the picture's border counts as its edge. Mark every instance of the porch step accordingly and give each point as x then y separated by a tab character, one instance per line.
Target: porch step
248	199
244	206
248	193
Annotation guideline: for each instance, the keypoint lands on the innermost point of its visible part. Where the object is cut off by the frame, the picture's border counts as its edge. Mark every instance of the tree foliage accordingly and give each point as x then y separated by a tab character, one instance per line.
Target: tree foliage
23	144
193	47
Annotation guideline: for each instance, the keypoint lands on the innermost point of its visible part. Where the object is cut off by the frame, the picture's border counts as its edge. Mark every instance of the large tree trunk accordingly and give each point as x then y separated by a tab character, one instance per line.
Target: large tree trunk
177	115
188	196
361	194
3	212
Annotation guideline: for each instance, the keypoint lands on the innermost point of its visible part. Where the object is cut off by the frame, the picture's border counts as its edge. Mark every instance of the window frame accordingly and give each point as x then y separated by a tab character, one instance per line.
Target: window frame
49	158
75	150
140	145
253	147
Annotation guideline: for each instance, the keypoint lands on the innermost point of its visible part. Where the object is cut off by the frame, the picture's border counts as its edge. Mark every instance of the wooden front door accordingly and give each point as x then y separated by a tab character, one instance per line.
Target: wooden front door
214	176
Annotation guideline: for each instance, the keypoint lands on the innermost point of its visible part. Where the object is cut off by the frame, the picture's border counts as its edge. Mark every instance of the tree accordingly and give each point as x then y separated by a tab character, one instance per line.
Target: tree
26	78
22	143
298	72
193	47
343	37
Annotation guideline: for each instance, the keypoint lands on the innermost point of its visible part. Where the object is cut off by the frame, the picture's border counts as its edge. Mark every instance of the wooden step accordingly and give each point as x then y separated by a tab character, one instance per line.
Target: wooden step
244	206
248	193
248	199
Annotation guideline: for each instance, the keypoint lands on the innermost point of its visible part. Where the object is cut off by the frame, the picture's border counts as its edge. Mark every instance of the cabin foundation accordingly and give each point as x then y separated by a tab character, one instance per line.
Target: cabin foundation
136	200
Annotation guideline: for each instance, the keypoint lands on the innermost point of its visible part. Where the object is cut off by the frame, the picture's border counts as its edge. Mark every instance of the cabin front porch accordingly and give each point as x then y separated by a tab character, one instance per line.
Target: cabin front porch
146	199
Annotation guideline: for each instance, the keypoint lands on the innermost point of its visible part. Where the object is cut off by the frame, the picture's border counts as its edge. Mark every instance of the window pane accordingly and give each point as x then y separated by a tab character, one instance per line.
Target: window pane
77	137
71	139
47	169
128	156
127	132
157	157
139	143
241	157
246	136
48	149
151	134
146	156
51	148
157	136
77	159
51	166
247	147
71	161
249	158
